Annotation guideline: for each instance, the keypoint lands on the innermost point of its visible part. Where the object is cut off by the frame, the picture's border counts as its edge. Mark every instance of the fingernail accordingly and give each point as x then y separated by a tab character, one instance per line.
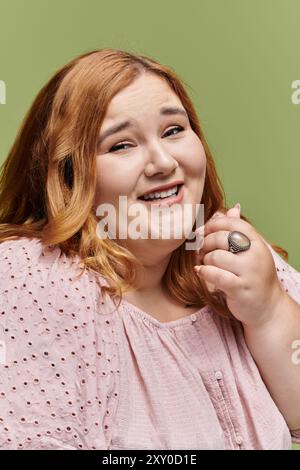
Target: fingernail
238	206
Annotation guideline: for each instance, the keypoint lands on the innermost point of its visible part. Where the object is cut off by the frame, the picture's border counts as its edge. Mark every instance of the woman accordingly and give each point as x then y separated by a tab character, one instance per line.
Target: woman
118	343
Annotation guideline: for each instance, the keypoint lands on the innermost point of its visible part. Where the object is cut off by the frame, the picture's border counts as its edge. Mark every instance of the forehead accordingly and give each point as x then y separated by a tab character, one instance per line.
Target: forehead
147	93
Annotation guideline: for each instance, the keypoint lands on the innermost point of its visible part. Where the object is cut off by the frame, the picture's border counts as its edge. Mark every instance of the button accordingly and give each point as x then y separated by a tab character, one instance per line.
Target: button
193	317
238	440
218	375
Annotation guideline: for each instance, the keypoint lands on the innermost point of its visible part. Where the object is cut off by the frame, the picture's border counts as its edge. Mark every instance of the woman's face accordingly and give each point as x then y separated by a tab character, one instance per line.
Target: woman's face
157	149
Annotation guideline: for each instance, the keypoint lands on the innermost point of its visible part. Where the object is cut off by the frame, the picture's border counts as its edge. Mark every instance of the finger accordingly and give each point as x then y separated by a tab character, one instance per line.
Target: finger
226	281
224	260
214	241
217	214
199	232
234	211
230	224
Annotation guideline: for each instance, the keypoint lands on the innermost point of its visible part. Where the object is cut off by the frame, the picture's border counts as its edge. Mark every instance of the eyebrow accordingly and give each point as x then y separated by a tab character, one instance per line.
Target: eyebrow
165	111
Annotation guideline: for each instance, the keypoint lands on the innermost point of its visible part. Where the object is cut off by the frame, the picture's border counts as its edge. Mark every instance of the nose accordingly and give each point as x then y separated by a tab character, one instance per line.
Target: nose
160	162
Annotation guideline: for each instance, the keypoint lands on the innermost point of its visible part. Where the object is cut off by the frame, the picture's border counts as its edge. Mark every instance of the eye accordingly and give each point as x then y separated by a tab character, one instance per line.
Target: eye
117	147
172	129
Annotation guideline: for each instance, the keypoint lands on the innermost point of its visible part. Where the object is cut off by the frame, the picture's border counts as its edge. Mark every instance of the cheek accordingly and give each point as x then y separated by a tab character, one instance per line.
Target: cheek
199	163
193	157
113	178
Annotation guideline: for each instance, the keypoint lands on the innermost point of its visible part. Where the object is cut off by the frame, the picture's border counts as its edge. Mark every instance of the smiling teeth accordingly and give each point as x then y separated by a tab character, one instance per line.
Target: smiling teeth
162	194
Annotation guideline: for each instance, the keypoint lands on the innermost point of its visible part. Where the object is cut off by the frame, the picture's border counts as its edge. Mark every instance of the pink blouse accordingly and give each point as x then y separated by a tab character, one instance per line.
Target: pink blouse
75	373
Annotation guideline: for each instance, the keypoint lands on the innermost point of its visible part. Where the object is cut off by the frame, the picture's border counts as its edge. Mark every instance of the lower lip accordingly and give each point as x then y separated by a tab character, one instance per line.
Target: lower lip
168	201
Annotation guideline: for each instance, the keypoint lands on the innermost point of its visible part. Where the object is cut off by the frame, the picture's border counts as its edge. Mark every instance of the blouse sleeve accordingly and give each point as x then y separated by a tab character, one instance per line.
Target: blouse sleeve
290	281
288	276
58	359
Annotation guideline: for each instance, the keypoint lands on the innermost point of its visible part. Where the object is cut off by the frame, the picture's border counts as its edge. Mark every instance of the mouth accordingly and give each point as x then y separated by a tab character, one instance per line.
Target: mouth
163	200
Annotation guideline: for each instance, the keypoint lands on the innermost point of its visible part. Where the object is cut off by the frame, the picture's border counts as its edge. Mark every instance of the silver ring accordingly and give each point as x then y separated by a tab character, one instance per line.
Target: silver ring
238	241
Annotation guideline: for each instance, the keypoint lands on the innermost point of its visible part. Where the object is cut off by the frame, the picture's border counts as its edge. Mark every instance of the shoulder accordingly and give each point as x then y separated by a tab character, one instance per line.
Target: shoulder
36	277
27	266
20	255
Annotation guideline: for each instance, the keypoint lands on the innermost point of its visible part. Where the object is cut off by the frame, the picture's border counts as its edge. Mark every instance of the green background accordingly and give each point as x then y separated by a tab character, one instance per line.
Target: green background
239	58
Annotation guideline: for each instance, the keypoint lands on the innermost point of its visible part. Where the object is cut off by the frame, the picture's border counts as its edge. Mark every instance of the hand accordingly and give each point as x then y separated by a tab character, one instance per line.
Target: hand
248	279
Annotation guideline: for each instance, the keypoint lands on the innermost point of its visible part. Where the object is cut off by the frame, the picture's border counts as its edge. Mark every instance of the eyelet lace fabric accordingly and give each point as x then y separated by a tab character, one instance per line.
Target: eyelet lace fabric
76	373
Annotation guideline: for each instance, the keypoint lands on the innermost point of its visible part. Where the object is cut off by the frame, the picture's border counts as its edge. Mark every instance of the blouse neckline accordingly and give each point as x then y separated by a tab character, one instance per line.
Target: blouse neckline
187	319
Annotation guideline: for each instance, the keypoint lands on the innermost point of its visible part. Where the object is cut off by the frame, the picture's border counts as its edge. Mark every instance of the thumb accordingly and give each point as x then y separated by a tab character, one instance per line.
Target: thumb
234	211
